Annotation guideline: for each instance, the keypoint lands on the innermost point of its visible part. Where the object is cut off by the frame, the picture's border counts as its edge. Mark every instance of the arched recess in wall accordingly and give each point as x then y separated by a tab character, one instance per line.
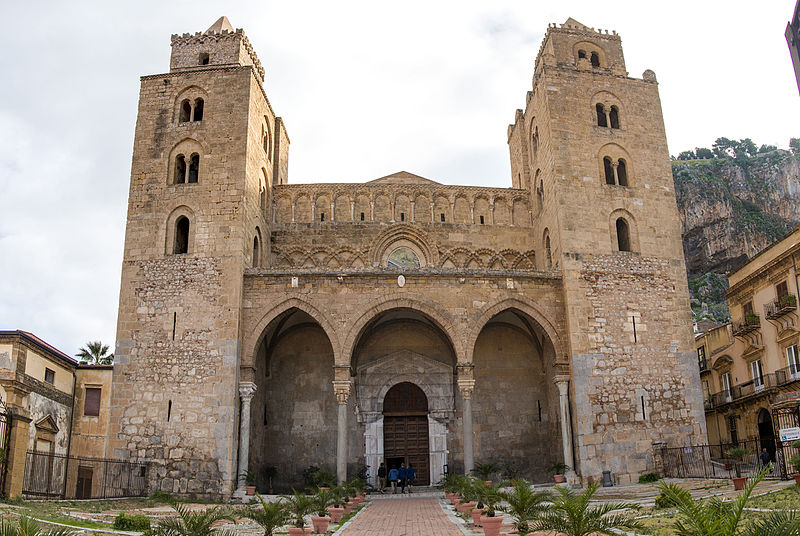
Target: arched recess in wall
190	105
180	231
403	236
266	138
257	248
341	210
583	51
613	110
302	208
322	205
547	247
402	208
263	200
185	162
422	208
620	222
363	208
615	166
283	208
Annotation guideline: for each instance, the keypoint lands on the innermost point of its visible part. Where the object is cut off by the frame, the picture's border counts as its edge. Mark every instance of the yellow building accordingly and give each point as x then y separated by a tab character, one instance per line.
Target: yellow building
748	365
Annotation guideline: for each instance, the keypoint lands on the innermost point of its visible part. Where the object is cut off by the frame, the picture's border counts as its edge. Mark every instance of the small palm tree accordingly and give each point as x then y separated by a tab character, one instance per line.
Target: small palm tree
714	517
321	500
29	527
573	515
190	523
271	516
484	470
297	506
489	496
96	352
524	504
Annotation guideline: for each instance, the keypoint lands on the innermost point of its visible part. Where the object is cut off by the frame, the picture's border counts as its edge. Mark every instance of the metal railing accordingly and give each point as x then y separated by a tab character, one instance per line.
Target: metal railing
712	461
780	306
57	476
749	323
768	381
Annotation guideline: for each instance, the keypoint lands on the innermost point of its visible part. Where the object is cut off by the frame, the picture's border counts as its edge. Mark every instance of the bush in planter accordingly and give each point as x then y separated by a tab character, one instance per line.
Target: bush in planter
789	300
524	504
737	454
271	516
297	505
752	318
664	501
321	500
573	515
488	495
323	479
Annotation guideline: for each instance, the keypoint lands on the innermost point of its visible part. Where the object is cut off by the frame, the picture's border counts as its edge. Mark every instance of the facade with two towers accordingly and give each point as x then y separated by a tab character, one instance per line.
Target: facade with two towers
263	323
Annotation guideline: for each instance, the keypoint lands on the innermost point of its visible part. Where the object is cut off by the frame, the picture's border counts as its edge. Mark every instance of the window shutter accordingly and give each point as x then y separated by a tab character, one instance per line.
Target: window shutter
91	405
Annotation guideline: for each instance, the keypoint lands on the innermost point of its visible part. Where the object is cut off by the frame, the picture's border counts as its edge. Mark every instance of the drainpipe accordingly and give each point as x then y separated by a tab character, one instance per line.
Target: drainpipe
794	267
69	431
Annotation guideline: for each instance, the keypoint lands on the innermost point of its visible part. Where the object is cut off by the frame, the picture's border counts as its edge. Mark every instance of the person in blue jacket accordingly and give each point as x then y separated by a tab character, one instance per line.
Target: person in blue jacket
410	475
403	474
394	474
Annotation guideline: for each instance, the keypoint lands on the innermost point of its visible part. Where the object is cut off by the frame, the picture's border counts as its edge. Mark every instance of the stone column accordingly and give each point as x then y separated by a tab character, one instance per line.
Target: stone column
466	385
246	392
413	211
342	390
562	382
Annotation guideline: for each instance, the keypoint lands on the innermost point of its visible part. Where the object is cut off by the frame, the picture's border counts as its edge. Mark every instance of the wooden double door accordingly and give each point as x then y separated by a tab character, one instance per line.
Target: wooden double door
405	440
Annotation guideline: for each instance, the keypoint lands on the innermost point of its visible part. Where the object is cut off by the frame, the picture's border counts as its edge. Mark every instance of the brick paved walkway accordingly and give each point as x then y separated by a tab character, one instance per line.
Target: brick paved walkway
403	517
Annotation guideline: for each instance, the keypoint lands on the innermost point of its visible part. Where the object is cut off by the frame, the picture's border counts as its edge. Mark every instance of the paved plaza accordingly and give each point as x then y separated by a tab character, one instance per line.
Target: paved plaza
403	515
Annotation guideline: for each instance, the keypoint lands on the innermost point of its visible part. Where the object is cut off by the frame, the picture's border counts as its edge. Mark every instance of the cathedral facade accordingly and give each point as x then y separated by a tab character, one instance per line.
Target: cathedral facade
263	323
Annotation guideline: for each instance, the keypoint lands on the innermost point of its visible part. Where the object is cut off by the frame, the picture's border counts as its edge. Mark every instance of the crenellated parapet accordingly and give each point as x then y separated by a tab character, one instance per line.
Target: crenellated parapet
378	202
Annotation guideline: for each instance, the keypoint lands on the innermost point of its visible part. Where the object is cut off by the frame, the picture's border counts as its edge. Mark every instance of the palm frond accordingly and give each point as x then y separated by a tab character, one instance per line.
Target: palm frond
786	523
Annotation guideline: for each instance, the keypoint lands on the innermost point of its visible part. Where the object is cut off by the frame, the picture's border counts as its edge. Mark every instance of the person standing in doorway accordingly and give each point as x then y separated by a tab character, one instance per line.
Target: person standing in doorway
403	474
382	477
393	476
410	475
765	457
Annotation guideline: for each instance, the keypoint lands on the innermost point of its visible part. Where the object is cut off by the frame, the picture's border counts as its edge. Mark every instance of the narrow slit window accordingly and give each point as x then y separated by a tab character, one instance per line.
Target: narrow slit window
548	254
442	216
633	323
362	216
169	410
174	324
539	405
644	409
255	252
186	111
595	59
402	216
582	54
194	168
622	173
481	220
608	168
198	110
623	235
180	169
601	115
322	216
181	236
613	115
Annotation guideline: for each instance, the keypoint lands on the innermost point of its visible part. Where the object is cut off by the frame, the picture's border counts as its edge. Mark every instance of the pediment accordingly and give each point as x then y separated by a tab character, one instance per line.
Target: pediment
402	177
48	424
722	362
752	351
409	361
786	333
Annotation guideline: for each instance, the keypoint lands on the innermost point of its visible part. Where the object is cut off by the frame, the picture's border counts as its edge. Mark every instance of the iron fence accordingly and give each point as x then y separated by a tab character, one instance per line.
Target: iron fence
712	461
56	476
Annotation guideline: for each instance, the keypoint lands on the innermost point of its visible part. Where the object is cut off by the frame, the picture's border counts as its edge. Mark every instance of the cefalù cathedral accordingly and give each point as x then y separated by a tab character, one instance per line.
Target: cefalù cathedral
263	323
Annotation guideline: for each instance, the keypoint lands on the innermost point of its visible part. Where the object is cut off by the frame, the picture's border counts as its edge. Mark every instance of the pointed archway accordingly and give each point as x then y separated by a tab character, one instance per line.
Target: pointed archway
405	429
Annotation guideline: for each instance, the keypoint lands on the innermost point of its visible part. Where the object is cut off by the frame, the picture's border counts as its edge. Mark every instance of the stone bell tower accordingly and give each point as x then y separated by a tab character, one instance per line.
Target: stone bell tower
591	147
207	149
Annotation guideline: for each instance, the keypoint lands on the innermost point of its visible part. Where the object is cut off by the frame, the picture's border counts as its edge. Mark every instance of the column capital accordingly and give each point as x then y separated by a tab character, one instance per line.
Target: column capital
247	390
562	382
466	387
342	390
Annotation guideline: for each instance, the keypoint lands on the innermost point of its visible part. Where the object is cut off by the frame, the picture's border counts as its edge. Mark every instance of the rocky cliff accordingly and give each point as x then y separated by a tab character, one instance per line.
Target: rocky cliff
731	207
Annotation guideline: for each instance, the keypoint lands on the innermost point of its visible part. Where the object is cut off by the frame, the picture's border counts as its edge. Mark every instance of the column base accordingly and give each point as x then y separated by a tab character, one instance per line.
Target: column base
572	479
241	495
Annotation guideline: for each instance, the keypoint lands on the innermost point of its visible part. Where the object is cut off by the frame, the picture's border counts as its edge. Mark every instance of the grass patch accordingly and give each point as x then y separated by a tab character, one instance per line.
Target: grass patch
785	499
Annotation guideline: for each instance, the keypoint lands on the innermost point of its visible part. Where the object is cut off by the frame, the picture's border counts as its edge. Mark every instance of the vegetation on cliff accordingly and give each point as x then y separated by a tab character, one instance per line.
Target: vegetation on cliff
734	200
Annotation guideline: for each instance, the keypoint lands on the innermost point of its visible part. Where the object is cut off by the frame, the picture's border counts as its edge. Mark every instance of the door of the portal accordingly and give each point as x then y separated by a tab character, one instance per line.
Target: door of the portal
405	429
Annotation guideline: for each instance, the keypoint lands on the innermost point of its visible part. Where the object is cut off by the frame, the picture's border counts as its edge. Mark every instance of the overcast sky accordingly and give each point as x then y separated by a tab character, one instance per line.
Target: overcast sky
365	89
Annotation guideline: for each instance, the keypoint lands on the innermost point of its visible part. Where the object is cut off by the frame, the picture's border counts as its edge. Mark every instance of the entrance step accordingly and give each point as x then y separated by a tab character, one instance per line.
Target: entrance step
418	492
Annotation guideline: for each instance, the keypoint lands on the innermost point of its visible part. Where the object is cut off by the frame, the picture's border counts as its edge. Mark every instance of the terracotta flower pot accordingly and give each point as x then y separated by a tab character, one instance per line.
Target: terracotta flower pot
320	524
454	498
307	530
250	490
797	479
738	482
297	531
491	525
476	516
464	507
559	479
336	513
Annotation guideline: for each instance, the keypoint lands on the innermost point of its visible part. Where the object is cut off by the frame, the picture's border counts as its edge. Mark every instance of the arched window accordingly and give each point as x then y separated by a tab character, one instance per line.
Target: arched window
608	167
256	252
581	54
614	117
186	111
601	115
265	141
623	235
535	142
203	59
181	244
595	60
547	252
198	110
622	173
180	169
194	168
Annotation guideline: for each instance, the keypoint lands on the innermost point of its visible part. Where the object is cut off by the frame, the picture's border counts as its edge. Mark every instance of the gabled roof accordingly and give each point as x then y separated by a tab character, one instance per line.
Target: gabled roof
36	341
402	177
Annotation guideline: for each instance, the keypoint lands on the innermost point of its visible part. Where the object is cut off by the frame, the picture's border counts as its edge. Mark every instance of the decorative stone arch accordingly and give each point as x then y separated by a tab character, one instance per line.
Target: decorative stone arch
403	235
440	318
607	99
723	363
283	208
343	207
256	336
633	232
322	205
524	305
520	212
191	94
169	241
186	147
303	207
462	209
616	154
588	47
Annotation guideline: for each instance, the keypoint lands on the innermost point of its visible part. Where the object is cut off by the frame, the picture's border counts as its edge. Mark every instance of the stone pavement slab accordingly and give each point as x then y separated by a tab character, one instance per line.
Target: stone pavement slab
403	517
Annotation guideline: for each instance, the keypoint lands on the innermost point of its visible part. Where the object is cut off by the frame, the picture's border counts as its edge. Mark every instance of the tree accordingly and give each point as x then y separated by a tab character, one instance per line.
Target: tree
29	527
573	515
723	148
745	147
715	517
270	516
95	352
190	523
524	504
767	149
686	155
794	145
703	153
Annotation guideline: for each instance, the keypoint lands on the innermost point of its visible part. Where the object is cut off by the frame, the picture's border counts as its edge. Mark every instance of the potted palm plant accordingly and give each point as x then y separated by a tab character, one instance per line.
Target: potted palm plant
250	482
524	504
336	511
271	516
484	470
738	454
321	500
559	468
297	506
491	498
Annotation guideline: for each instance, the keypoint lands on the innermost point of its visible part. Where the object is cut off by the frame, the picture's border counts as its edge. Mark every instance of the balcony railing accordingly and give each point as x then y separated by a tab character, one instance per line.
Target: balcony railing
768	381
780	306
751	322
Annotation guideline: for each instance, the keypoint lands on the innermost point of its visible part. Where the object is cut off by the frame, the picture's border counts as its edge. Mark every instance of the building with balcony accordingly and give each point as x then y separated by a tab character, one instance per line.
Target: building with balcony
748	365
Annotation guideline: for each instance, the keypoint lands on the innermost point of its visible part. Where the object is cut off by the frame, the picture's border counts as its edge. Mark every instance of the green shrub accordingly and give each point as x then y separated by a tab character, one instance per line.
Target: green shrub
134	522
664	501
648	478
161	496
